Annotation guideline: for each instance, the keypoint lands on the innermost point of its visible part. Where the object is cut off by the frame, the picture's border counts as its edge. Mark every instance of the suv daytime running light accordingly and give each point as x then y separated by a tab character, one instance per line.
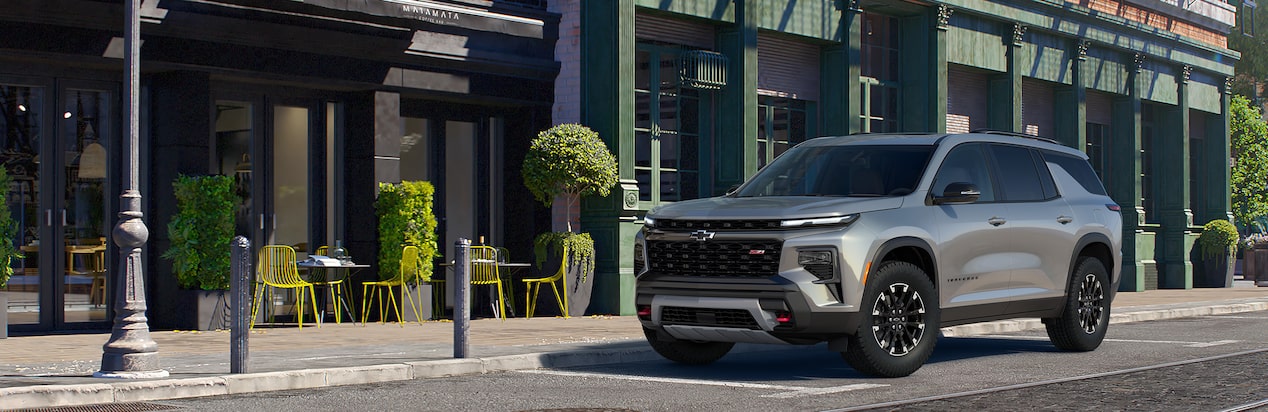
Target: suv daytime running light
820	221
648	221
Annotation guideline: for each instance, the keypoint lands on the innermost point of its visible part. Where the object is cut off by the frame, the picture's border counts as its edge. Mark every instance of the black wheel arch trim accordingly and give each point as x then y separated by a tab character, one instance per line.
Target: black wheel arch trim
929	266
1088	240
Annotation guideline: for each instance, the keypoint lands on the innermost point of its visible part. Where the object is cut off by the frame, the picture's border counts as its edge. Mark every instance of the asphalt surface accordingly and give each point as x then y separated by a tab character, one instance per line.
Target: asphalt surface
56	370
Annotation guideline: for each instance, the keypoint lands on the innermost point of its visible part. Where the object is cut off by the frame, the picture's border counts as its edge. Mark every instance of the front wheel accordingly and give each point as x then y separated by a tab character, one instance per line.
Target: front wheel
899	324
1085	316
687	352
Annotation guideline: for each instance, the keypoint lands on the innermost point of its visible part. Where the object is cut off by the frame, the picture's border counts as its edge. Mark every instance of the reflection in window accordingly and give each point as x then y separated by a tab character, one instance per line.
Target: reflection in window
667	127
781	124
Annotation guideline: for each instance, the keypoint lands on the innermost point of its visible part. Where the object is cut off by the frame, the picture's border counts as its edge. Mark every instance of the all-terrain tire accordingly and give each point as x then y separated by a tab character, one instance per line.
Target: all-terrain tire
688	352
899	321
1085	316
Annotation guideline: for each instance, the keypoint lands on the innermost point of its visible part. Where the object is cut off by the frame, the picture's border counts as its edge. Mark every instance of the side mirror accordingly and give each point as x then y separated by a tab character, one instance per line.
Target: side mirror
958	193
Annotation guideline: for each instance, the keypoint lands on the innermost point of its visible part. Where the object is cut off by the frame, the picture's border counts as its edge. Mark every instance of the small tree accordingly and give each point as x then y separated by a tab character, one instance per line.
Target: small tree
1248	134
569	160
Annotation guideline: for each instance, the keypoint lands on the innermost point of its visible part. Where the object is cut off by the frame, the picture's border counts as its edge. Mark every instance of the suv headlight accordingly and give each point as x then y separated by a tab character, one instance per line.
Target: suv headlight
820	263
649	222
820	221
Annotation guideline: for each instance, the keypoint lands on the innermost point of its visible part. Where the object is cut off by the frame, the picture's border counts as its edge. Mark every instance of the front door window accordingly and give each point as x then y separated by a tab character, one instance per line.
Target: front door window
21	115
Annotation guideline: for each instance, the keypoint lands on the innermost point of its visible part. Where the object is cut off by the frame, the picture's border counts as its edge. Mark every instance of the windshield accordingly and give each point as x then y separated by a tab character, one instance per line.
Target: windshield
854	171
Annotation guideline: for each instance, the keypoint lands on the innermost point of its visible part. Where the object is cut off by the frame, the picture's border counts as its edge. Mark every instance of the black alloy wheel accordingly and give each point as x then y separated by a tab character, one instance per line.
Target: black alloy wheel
898	319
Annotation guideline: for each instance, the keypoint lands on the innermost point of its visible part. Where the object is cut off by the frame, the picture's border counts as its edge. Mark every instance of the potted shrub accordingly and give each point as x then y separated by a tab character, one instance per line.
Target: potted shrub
563	164
405	218
8	252
1218	246
200	233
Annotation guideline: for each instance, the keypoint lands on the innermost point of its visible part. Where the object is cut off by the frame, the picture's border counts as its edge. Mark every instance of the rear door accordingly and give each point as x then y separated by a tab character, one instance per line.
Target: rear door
1041	226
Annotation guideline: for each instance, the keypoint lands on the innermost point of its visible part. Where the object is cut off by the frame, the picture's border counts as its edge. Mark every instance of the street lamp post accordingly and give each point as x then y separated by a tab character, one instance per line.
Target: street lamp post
130	352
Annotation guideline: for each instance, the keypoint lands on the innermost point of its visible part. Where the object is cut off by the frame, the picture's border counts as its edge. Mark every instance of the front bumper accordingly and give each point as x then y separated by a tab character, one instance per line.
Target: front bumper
741	313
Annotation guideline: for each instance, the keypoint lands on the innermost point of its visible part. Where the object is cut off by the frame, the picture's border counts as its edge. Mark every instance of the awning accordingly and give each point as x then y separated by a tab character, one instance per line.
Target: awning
440	14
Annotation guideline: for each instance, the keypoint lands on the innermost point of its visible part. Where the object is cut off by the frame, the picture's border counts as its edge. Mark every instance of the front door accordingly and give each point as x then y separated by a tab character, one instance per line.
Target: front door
58	139
265	147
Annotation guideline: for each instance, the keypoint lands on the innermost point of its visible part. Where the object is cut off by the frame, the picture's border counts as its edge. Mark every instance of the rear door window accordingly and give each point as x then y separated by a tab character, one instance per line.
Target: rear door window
1019	178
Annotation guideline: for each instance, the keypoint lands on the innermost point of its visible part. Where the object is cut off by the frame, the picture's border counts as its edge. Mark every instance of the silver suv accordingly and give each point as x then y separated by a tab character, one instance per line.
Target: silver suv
873	242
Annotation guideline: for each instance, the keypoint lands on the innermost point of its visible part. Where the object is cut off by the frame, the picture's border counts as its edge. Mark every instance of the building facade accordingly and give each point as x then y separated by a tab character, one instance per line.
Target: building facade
310	104
307	104
694	96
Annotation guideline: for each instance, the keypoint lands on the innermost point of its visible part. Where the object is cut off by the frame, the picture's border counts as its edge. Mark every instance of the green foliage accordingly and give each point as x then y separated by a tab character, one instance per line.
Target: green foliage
1253	65
580	246
1248	134
569	159
202	230
8	231
405	218
1219	237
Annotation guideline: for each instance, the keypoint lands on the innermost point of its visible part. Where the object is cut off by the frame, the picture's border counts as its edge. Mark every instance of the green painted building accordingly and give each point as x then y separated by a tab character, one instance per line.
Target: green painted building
694	96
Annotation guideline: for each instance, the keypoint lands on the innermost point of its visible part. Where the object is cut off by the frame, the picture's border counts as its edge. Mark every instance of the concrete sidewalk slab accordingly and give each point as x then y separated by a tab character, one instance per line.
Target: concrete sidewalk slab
56	370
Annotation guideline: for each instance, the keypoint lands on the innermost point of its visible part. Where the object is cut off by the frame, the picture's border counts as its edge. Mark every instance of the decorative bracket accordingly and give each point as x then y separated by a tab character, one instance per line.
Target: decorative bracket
944	17
1228	85
1185	72
1138	62
1019	31
1080	49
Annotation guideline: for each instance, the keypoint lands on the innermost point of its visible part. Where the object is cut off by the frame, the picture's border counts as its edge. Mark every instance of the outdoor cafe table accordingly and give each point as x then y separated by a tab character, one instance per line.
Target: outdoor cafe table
507	272
342	273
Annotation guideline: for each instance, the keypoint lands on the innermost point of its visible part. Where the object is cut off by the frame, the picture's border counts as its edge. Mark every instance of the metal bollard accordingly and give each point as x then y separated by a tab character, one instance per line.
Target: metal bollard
462	296
240	300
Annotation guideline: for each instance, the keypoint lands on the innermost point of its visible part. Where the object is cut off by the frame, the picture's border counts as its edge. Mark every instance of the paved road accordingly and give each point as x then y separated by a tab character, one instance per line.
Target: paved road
812	378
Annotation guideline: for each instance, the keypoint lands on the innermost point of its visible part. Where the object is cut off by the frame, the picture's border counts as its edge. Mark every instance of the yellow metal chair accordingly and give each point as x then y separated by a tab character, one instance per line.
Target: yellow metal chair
533	286
335	286
484	271
277	270
408	273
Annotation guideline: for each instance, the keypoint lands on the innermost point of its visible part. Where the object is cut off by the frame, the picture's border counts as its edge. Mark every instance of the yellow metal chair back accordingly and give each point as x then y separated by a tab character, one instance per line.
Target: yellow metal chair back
409	272
323	251
277	269
484	271
533	286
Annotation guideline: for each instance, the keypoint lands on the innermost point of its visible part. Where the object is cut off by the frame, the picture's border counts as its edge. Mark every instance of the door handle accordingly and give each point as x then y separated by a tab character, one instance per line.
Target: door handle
1064	219
48	217
63	217
996	221
261	221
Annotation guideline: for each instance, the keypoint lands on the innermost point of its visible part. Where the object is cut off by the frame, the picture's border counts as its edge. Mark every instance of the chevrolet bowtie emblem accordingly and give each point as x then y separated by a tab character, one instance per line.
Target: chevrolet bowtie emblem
702	235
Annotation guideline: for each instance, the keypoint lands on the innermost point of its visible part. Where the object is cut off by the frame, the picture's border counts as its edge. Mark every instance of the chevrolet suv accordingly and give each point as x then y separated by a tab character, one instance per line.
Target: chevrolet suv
873	242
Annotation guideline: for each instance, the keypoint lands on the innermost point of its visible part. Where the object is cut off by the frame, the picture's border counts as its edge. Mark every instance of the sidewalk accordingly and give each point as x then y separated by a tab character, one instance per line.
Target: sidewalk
46	371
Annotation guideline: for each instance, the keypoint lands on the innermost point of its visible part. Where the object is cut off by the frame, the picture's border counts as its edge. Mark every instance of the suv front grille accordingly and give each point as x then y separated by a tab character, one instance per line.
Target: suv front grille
715	258
726	318
689	225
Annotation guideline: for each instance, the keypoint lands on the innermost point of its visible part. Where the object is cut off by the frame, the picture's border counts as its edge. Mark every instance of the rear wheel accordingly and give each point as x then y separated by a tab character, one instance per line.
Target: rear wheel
1085	316
899	324
687	352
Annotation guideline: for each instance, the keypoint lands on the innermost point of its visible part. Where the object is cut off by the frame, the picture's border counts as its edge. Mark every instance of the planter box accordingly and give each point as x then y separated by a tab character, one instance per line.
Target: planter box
1214	272
204	310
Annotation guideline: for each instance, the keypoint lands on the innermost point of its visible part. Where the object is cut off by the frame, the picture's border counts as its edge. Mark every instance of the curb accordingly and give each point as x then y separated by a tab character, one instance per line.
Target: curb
45	396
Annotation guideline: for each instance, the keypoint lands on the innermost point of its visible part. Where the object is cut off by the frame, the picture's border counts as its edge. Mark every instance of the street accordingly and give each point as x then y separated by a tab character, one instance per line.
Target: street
1192	364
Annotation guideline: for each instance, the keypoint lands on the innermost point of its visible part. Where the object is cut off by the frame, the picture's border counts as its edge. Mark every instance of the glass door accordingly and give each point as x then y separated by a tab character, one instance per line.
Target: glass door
57	147
22	117
83	143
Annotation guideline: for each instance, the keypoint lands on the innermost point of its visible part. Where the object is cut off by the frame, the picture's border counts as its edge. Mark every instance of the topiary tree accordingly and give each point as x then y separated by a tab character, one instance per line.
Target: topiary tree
571	161
201	231
1219	238
1248	135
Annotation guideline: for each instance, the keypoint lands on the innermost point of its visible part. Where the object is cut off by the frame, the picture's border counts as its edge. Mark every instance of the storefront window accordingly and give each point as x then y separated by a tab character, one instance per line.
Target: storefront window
880	73
667	127
781	124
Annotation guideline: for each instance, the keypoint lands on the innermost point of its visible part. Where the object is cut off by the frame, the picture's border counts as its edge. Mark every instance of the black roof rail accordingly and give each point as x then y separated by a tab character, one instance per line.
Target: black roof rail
1014	134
